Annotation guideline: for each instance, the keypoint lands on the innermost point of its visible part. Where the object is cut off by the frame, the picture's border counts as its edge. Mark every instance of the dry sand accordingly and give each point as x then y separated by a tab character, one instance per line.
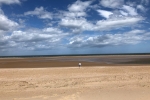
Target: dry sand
88	83
73	83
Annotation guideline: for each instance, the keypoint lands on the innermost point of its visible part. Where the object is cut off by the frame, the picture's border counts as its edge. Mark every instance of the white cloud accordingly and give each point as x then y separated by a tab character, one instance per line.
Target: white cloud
112	3
79	6
52	30
5	23
131	3
73	23
74	14
5	44
40	12
131	37
104	13
124	17
9	2
141	8
114	21
77	25
74	19
77	9
123	13
135	32
20	36
32	39
117	23
130	10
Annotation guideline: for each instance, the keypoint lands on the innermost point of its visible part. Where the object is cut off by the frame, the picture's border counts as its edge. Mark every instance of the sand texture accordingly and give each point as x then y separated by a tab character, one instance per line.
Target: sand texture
72	83
60	78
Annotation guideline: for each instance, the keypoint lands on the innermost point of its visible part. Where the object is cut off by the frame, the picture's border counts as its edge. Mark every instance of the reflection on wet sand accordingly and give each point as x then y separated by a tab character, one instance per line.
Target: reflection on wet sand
72	61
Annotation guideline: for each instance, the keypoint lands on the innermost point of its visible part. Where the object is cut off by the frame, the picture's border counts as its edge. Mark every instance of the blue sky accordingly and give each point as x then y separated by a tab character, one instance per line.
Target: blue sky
48	27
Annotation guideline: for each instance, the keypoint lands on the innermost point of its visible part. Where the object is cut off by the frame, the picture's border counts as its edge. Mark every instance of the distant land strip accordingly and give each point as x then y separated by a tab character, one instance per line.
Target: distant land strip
24	56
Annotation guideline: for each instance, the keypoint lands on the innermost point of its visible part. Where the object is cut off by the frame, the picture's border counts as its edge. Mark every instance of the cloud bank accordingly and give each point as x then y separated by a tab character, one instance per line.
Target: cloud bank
75	26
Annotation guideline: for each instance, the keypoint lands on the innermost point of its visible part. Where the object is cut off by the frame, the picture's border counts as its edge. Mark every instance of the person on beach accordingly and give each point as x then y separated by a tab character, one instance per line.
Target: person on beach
79	65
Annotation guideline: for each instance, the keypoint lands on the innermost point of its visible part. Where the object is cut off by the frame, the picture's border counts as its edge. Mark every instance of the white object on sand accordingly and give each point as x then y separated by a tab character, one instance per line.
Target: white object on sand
79	64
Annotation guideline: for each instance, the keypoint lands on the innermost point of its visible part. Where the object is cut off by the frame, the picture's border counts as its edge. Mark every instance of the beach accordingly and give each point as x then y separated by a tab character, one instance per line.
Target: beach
97	81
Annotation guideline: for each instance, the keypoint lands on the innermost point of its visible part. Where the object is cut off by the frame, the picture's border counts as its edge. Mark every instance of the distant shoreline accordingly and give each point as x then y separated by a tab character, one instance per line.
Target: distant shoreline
71	61
26	56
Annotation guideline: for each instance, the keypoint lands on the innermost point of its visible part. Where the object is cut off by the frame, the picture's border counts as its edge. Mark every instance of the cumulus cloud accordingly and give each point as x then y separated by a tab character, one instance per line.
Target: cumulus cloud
74	19
32	39
130	10
40	12
74	14
9	2
117	23
20	36
104	13
5	23
5	44
74	23
141	8
77	25
135	32
112	3
3	41
77	9
131	37
124	16
52	30
123	13
79	6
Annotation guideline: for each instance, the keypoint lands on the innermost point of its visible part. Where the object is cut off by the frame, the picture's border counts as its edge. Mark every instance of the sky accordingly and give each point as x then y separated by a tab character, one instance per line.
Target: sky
54	27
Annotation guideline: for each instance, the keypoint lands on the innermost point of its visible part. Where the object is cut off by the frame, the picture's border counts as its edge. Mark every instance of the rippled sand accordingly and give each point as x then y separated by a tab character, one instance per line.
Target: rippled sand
73	83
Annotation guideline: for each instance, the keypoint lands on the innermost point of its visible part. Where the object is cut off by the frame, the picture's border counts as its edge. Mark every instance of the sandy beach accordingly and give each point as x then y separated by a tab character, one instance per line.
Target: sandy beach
98	82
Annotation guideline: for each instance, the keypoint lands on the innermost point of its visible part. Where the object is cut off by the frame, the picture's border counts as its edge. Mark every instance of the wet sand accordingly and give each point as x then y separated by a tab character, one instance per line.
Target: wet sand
72	61
102	81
